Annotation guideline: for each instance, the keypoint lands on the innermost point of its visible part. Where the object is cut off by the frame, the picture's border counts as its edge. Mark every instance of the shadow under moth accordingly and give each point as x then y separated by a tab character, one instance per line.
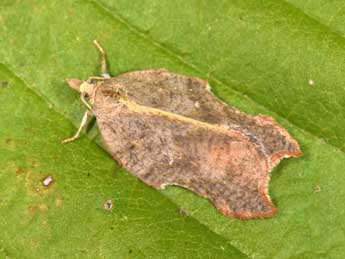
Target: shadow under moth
169	129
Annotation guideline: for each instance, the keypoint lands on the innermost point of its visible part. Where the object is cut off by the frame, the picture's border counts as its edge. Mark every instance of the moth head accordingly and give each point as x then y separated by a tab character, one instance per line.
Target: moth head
89	87
86	88
81	86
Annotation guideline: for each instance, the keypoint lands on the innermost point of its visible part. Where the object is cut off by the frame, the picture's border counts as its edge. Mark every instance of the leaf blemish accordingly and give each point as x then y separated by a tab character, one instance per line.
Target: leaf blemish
317	189
19	171
108	205
182	212
4	84
59	202
31	209
34	163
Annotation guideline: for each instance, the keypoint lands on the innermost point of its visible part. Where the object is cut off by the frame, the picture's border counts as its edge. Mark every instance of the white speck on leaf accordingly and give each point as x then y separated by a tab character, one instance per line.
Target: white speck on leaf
48	180
311	82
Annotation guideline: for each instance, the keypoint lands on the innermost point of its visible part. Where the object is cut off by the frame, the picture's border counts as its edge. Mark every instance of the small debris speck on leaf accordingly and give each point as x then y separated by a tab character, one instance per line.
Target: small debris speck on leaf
47	181
108	205
317	189
182	212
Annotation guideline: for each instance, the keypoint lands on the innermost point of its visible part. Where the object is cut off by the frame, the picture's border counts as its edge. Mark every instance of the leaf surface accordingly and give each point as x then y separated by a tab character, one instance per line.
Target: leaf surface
258	55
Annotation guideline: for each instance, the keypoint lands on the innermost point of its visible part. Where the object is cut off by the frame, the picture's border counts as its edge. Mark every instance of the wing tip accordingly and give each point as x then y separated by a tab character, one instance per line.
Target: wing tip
246	215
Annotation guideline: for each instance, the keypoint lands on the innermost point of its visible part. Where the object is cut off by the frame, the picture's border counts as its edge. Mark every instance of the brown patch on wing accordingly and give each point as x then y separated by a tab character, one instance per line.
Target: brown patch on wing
162	148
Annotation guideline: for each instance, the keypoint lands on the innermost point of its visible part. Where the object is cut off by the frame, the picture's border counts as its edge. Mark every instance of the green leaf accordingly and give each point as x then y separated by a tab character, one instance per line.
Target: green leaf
258	55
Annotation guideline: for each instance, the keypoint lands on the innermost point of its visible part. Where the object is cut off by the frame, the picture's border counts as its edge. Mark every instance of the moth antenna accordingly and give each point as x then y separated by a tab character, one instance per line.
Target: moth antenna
105	73
77	134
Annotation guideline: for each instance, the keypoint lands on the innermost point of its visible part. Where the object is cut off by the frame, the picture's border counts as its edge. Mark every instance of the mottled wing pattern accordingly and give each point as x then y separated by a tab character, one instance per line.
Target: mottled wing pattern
163	148
191	97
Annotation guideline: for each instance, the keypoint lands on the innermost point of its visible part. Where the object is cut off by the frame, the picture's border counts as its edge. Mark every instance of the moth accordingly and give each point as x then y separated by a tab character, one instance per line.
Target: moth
169	129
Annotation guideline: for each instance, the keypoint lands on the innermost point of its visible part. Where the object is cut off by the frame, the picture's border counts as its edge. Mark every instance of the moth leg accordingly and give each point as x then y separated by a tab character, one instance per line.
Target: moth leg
105	73
82	125
85	102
